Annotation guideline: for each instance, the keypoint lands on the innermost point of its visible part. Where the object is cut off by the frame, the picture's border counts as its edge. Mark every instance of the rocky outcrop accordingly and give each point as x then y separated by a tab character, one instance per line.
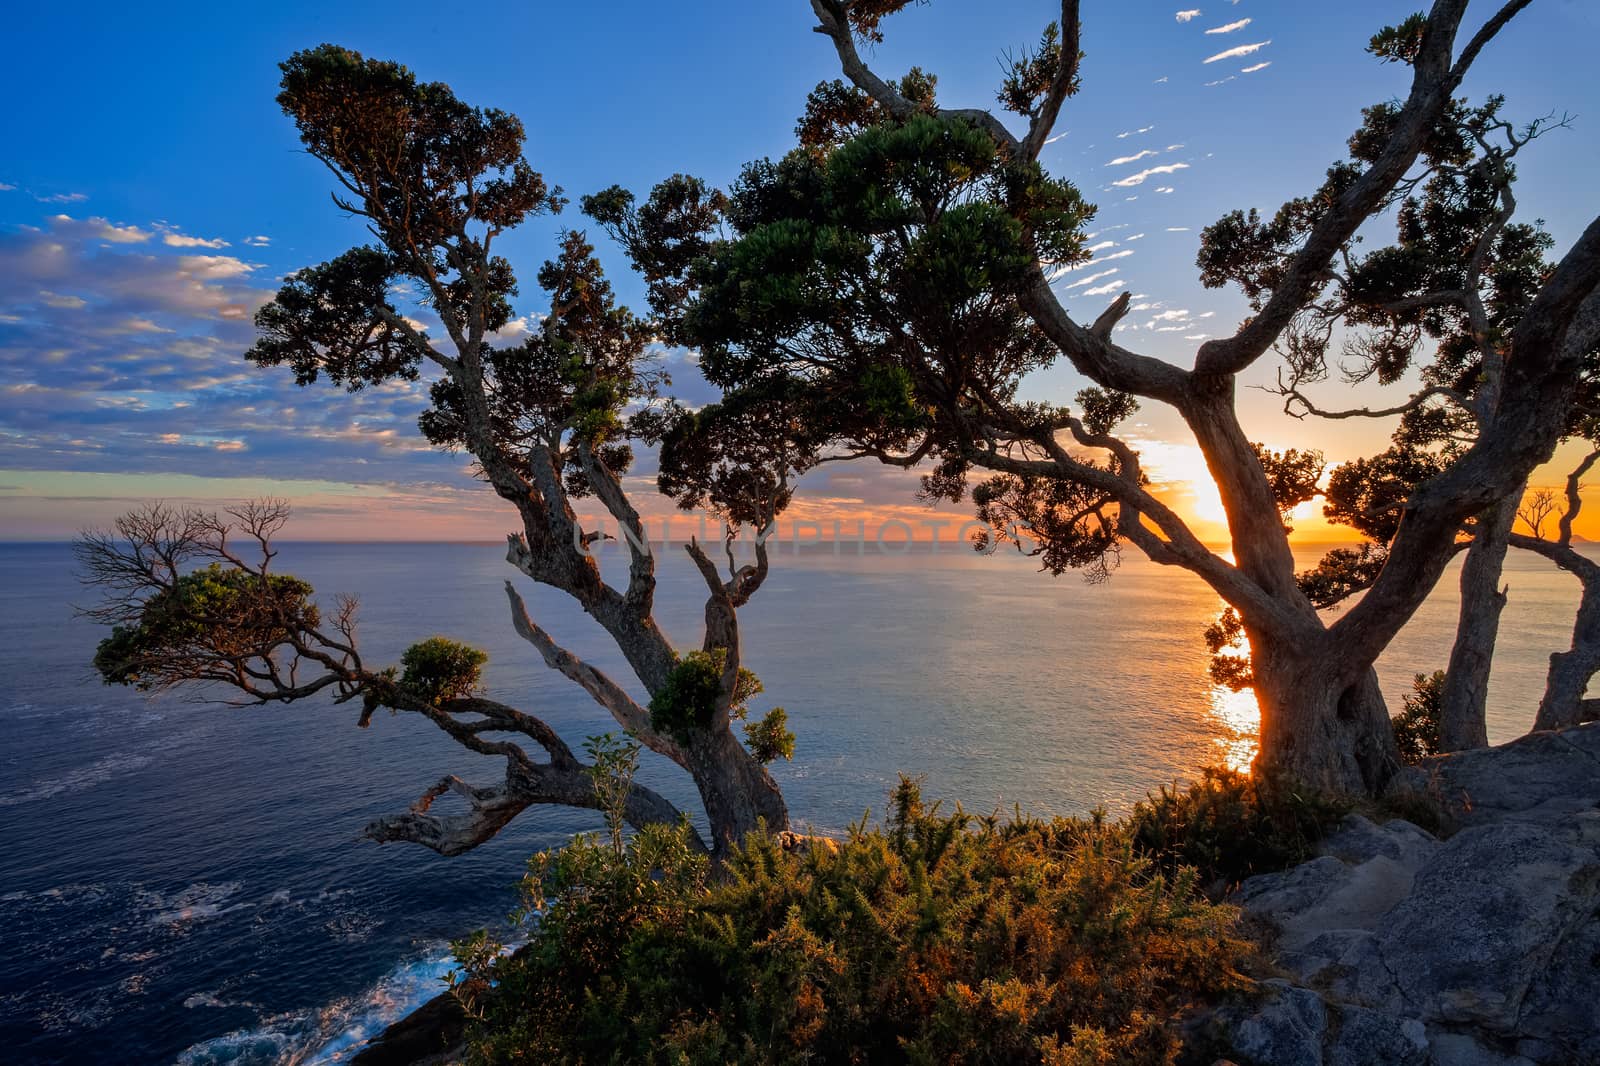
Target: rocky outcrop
1483	947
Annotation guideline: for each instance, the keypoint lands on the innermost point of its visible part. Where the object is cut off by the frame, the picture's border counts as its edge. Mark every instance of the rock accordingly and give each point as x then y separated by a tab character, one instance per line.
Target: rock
1285	1029
1461	1049
1484	918
431	1035
1365	1037
1563	1004
1357	840
1488	783
1479	950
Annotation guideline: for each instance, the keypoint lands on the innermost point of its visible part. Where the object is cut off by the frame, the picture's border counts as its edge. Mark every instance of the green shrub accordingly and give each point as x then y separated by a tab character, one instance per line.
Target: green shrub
439	669
935	939
1416	727
688	699
1230	825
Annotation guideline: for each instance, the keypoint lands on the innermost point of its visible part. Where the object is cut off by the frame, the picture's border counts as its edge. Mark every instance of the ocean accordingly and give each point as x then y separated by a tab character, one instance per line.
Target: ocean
182	882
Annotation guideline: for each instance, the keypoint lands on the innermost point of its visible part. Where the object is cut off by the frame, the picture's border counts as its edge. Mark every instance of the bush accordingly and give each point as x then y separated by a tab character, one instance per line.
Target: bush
1416	727
936	938
439	669
1231	825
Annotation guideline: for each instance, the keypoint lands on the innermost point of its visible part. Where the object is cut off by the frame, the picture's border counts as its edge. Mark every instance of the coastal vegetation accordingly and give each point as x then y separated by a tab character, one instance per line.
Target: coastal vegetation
883	293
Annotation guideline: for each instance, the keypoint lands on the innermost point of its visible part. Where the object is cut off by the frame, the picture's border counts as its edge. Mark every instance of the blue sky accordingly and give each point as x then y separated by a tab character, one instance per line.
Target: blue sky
155	194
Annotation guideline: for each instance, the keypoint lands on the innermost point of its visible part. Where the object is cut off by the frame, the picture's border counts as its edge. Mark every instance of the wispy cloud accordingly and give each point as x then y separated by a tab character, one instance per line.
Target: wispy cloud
1057	137
1241	50
1185	16
1091	279
179	240
1125	159
1140	178
1177	229
1230	27
258	242
61	198
101	229
1256	67
1102	290
1131	133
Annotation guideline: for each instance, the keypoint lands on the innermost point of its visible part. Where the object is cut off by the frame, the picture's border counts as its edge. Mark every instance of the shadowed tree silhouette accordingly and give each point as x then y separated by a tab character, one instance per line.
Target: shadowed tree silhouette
884	290
547	420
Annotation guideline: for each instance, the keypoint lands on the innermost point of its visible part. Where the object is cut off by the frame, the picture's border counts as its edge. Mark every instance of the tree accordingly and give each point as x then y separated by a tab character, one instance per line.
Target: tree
548	421
1458	278
887	285
1563	703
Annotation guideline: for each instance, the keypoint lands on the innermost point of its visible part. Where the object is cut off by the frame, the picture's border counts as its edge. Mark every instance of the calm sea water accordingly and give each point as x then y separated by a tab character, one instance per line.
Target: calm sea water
185	883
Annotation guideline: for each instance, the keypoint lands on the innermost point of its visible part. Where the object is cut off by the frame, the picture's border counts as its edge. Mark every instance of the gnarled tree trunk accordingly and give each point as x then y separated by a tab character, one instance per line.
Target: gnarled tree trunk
1462	721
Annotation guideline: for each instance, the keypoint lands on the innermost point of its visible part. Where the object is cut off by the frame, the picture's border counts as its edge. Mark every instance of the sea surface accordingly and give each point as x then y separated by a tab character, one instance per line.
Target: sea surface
185	882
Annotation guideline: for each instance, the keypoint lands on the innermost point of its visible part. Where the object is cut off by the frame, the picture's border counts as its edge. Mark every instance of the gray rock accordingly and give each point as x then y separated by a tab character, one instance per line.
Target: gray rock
1485	784
1561	1014
1484	919
1357	840
1461	1049
1366	1037
1285	1030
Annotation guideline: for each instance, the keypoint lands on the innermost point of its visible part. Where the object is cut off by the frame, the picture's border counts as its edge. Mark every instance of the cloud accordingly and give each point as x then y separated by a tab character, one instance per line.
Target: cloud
1221	81
1177	229
179	240
1102	290
213	267
100	229
1100	246
258	242
1258	66
1230	27
1185	16
1136	236
1159	80
1241	50
1057	137
1091	279
61	198
1131	133
54	299
5	187
1124	159
1165	189
1139	178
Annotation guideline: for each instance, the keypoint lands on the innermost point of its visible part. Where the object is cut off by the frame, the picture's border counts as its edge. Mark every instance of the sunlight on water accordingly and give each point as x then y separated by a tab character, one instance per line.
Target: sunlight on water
1238	719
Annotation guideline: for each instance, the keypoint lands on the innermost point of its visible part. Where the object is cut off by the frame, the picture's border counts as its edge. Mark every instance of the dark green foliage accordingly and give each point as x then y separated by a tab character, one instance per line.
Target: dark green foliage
867	298
1231	825
1230	651
1416	727
1029	75
937	939
688	699
1402	43
439	669
1293	475
769	738
1341	573
209	615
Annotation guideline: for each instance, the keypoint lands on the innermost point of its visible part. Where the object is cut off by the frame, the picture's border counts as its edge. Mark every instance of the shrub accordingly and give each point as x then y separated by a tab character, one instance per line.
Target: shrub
936	938
1416	727
439	669
1230	825
688	698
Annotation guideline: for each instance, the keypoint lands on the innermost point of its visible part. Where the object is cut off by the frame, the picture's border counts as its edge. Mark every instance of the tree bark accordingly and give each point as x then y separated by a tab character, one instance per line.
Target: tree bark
1463	720
1319	727
1570	671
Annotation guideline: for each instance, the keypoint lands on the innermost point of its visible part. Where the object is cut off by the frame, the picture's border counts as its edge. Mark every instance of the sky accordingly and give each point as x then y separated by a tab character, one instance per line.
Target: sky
152	196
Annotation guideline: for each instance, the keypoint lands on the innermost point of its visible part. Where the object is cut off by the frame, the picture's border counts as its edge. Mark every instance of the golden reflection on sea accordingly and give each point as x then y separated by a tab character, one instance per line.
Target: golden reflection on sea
1238	719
